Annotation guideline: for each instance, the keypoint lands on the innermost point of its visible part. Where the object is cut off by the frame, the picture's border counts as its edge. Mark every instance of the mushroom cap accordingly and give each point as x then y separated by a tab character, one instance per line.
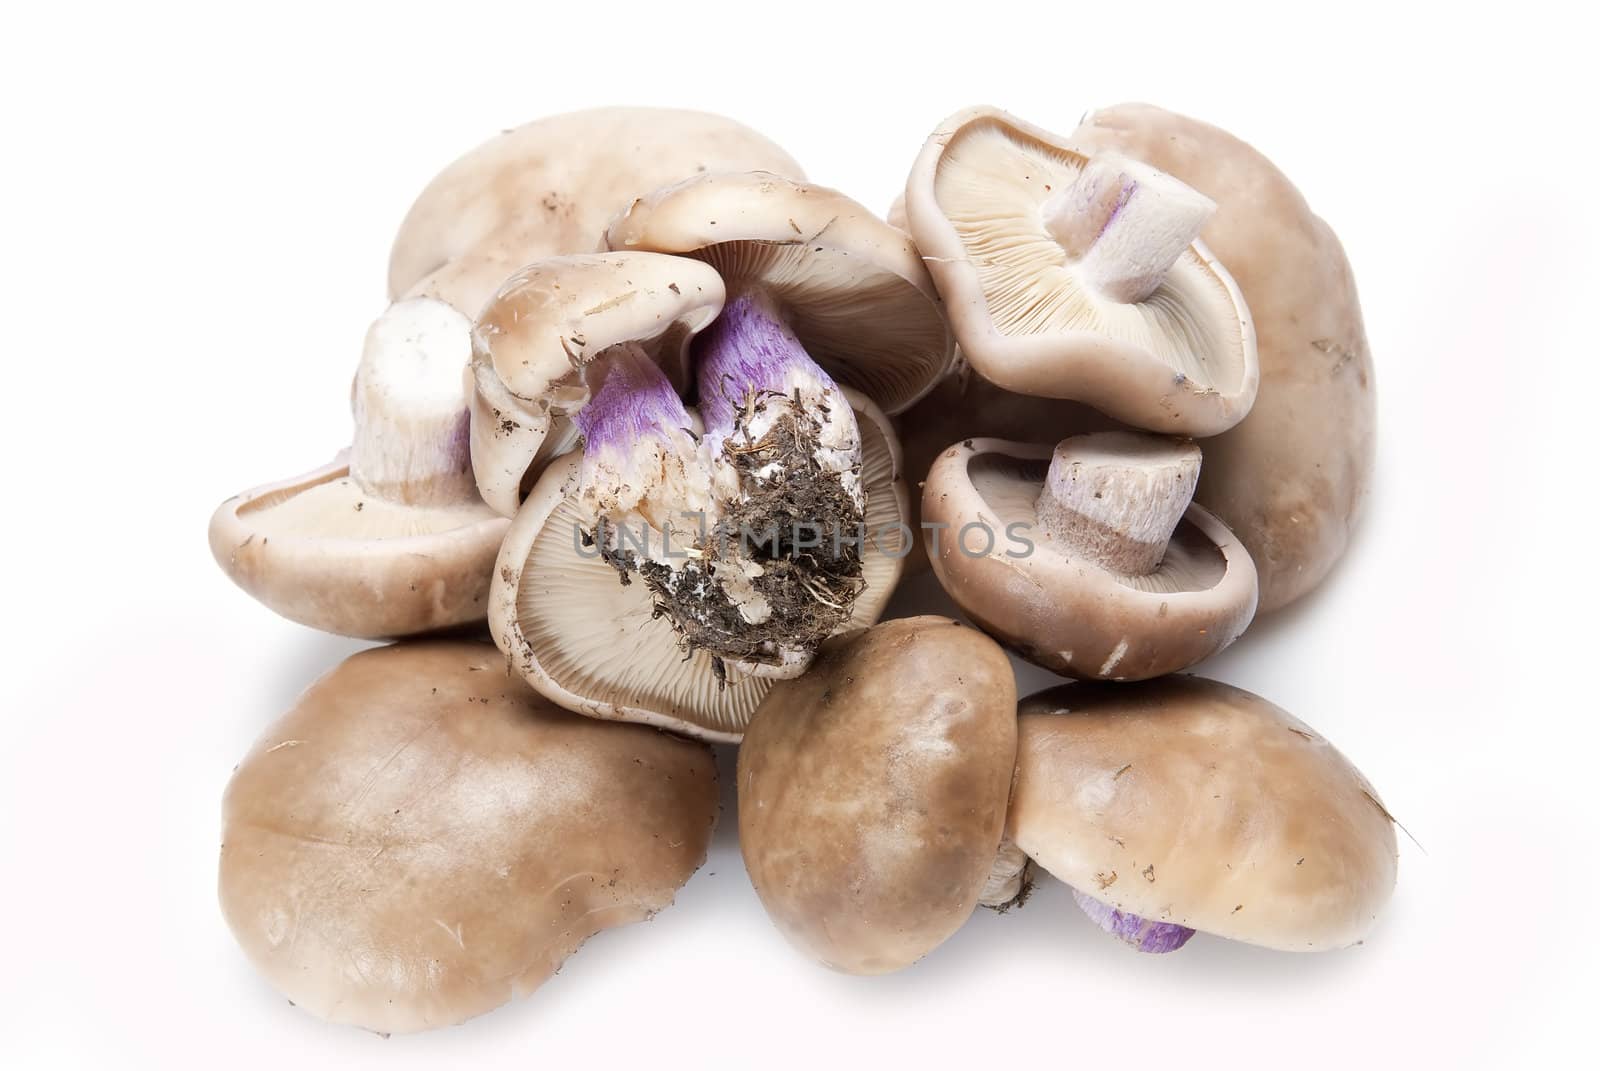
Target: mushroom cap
564	619
550	186
469	281
872	791
421	839
1060	610
853	288
1292	478
548	321
319	550
1181	362
1191	802
896	216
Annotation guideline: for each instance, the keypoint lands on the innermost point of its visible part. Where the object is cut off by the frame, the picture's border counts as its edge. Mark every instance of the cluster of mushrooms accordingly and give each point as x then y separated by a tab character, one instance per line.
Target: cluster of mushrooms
649	405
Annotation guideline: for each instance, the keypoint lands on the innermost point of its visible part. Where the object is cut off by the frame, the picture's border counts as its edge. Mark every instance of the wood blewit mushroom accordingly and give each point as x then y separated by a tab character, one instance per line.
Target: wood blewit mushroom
1122	576
392	539
1079	275
1182	804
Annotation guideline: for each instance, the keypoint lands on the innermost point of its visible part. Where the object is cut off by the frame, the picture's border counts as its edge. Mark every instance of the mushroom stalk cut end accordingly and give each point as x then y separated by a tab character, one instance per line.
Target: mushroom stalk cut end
1125	225
1139	933
1115	497
1008	878
410	400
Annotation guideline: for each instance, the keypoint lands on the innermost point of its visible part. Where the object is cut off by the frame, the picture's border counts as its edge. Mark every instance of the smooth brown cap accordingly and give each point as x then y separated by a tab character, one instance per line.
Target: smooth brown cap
546	324
421	839
872	791
562	615
852	287
1292	478
1181	362
549	187
1191	802
1056	607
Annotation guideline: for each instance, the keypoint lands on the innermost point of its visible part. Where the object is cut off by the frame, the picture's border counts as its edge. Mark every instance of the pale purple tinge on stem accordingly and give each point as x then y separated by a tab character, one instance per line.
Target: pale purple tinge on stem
750	355
1125	224
641	459
1142	934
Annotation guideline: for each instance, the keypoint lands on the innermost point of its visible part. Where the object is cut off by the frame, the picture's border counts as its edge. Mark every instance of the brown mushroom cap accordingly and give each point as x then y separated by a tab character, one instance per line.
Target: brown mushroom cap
550	186
421	839
1055	605
551	319
852	287
1180	361
596	646
1191	802
1291	478
872	791
472	279
390	538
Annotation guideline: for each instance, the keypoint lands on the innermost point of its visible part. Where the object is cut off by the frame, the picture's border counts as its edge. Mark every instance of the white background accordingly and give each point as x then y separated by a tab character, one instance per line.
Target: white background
196	209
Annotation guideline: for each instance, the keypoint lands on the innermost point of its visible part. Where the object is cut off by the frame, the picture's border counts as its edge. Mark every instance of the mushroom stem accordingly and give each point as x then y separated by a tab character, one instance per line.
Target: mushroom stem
1125	224
786	455
1136	931
753	374
641	461
410	402
1007	877
1115	497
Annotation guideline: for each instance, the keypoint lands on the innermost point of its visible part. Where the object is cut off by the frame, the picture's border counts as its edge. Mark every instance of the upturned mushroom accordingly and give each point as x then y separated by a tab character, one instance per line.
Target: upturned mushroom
549	187
420	840
626	547
1291	479
872	791
1087	558
391	538
1183	804
533	344
1081	277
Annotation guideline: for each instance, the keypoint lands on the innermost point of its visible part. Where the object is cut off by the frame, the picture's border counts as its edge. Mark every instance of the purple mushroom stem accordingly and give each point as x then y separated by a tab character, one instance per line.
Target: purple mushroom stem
641	458
750	355
633	401
1145	935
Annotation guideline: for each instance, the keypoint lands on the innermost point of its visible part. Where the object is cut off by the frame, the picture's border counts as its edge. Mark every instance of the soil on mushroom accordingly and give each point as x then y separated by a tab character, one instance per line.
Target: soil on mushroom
794	520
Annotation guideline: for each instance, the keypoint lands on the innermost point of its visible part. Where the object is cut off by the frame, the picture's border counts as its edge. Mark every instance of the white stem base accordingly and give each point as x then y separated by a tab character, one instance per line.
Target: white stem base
411	440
